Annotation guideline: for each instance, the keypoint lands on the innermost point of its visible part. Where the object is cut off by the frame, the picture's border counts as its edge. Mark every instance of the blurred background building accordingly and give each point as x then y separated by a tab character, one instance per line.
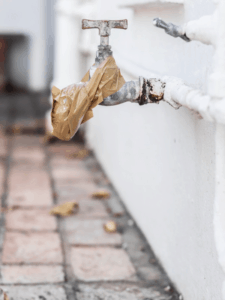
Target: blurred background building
27	31
162	161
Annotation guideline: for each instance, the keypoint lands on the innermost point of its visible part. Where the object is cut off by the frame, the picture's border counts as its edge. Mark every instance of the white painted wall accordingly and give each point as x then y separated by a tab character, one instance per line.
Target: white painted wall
30	60
162	161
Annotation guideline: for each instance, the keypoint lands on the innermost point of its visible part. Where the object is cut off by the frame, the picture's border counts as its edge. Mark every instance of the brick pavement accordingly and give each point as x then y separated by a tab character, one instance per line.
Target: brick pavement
46	257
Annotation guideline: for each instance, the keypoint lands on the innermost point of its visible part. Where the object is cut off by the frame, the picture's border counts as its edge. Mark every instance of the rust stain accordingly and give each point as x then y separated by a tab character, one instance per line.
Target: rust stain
148	94
142	98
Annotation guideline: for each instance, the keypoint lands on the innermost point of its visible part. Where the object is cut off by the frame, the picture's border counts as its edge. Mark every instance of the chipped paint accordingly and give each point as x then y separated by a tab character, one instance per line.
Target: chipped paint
143	91
151	90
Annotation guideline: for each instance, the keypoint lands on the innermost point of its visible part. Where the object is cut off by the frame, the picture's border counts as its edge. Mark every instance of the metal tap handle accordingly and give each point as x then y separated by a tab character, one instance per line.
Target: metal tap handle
171	29
104	27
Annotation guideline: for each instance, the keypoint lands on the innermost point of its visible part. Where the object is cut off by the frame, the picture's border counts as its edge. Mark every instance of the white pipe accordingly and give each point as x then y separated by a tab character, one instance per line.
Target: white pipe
203	29
177	93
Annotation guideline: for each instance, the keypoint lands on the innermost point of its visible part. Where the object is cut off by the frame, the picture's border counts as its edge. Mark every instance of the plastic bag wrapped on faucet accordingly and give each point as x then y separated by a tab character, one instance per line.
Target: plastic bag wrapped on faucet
73	105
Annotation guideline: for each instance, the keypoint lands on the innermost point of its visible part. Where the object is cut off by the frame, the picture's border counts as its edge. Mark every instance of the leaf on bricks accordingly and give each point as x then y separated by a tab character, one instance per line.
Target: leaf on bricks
6	297
16	129
101	194
65	209
80	154
3	295
7	209
110	227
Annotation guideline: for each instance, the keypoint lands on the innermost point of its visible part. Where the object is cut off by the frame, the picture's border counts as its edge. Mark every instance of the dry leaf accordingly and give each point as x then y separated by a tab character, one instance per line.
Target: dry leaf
65	209
3	295
9	208
118	214
16	129
80	154
110	227
6	297
101	194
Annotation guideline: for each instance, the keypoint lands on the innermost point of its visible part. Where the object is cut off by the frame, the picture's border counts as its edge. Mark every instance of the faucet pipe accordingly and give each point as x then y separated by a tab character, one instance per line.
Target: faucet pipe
203	29
142	91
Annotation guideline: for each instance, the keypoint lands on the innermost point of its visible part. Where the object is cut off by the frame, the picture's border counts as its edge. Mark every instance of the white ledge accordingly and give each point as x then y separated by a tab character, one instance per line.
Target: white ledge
149	3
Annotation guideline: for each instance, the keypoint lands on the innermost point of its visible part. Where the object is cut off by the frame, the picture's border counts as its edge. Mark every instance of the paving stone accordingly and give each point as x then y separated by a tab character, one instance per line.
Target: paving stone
62	162
119	292
64	149
91	209
101	263
30	219
31	274
88	209
70	174
115	206
26	140
76	191
30	188
28	153
89	232
39	292
43	248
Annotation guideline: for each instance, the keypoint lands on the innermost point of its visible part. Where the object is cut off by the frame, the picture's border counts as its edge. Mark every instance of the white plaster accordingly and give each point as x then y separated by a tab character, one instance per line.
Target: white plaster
162	161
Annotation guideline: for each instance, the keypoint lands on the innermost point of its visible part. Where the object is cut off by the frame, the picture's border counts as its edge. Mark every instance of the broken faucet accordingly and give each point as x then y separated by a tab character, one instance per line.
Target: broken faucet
104	85
140	91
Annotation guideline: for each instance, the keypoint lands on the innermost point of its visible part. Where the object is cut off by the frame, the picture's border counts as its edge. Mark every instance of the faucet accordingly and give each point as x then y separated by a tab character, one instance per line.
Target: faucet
171	29
71	107
142	91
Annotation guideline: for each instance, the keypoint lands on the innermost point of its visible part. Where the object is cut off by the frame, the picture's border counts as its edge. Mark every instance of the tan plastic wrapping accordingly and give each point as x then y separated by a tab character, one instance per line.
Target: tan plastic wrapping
73	105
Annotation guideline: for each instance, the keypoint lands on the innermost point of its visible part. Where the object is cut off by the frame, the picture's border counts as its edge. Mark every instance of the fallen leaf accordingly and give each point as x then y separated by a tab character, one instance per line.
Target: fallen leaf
118	214
3	295
80	154
65	209
9	208
6	297
101	194
110	227
16	129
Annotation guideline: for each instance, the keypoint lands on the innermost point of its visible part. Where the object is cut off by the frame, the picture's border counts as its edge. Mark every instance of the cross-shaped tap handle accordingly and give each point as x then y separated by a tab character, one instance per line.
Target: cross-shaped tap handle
104	27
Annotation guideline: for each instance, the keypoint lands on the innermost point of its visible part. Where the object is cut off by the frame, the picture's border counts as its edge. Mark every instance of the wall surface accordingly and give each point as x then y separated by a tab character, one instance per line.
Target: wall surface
161	160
